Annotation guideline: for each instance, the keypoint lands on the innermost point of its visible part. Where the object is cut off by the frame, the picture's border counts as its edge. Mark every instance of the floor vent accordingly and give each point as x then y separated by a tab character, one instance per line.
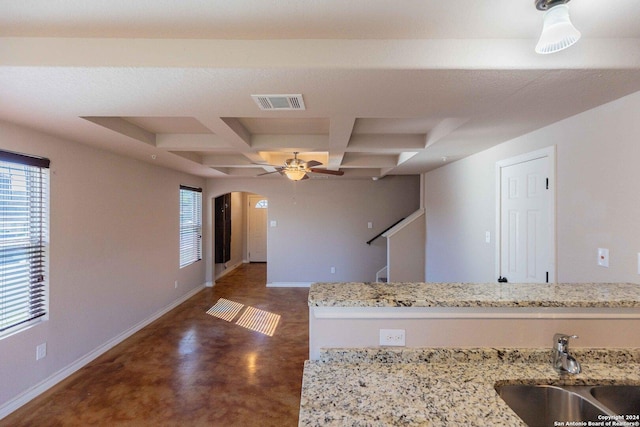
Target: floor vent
279	102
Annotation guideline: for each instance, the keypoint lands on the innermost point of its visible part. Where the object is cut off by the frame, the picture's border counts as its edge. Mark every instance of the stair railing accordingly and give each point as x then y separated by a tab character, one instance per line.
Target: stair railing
385	230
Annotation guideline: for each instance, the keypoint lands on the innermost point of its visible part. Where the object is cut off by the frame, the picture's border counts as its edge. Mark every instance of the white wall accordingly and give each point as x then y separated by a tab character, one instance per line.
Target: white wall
405	257
114	254
598	170
323	224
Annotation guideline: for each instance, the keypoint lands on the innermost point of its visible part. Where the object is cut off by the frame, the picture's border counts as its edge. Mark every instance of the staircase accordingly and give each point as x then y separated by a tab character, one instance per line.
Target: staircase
405	250
381	275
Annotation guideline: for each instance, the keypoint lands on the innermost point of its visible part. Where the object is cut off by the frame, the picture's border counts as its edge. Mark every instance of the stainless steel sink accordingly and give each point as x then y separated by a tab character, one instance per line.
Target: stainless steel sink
543	405
621	399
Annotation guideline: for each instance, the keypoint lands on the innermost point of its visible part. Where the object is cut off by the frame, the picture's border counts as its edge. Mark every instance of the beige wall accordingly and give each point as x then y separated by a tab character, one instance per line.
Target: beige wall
357	327
598	169
113	255
323	224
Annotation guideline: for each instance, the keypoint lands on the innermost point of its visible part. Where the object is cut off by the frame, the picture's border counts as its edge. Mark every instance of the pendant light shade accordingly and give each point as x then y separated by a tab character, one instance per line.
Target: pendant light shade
295	174
558	32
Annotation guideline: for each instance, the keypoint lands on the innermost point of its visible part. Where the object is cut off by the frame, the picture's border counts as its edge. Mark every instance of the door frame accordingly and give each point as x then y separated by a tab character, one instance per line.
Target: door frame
248	228
549	152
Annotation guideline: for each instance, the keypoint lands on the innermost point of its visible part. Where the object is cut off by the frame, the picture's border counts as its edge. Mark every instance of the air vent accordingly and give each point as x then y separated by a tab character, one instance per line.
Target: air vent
279	102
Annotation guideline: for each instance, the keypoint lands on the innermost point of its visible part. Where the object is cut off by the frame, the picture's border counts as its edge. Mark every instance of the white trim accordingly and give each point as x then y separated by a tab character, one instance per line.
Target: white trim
473	313
549	152
54	379
422	188
289	284
402	224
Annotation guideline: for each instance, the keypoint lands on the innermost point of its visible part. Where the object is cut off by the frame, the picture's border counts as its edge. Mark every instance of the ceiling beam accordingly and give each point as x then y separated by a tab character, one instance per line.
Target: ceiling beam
340	129
471	54
122	126
236	135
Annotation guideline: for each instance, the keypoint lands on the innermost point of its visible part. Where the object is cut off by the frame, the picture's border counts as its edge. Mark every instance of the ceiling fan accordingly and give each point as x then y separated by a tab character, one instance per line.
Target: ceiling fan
296	169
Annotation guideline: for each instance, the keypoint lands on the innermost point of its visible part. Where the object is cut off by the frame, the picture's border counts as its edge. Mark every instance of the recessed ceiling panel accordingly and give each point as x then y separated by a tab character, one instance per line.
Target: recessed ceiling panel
386	143
367	160
228	160
286	126
279	158
395	125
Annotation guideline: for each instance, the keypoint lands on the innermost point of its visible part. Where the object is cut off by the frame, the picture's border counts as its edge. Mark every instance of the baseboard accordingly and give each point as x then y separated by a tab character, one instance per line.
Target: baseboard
229	270
289	284
45	385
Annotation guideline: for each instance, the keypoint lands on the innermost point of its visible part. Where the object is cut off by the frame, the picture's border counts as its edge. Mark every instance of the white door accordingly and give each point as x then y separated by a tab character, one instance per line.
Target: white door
527	251
257	228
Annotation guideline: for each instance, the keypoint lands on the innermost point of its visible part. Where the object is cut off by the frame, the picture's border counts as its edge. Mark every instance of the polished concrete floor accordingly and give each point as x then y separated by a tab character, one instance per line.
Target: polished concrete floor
191	369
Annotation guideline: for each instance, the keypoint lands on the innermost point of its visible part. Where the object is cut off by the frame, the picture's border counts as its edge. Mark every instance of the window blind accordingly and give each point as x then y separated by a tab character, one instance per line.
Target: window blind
190	225
24	183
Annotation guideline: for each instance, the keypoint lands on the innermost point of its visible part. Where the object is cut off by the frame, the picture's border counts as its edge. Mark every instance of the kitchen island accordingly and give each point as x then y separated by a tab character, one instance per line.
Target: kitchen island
462	340
351	315
503	295
440	387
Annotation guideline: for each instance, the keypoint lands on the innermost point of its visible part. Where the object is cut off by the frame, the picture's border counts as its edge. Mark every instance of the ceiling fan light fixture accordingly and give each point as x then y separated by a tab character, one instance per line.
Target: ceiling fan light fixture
558	32
294	174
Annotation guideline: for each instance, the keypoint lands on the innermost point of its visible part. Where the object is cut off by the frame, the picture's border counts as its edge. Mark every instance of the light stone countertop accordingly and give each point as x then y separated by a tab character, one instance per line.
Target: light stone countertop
503	295
440	387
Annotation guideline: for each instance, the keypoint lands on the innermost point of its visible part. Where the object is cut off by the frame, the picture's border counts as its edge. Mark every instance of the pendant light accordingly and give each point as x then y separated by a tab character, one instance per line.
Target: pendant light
558	32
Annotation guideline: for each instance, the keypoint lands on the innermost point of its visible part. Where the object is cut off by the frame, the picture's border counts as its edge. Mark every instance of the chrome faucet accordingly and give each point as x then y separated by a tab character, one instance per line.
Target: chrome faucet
563	362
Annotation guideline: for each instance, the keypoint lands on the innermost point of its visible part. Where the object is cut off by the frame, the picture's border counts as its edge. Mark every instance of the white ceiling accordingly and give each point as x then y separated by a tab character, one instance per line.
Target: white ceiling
389	87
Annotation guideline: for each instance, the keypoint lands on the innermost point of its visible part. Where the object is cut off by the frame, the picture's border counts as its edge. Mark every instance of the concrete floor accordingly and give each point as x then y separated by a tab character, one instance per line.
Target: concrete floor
191	369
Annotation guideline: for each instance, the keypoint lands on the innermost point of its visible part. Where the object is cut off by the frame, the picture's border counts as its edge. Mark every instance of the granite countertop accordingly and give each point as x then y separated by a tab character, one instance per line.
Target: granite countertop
440	387
577	295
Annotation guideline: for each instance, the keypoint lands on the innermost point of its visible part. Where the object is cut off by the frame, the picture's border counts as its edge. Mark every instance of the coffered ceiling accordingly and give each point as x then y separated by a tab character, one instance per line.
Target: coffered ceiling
387	87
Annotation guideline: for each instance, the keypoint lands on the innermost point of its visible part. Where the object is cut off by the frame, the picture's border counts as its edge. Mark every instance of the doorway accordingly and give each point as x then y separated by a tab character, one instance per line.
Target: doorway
526	217
257	214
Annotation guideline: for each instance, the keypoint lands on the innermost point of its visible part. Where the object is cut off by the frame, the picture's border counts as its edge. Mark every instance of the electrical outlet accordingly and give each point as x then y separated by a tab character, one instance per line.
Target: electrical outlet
333	270
176	285
393	337
603	257
41	351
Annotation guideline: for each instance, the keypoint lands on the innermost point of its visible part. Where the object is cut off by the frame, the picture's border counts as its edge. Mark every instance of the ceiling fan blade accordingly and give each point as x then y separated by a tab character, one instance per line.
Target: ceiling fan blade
313	163
280	169
327	171
304	177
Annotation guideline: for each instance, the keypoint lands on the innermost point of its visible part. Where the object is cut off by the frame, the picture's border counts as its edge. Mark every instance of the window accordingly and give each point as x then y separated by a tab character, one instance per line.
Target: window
190	225
24	206
262	204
